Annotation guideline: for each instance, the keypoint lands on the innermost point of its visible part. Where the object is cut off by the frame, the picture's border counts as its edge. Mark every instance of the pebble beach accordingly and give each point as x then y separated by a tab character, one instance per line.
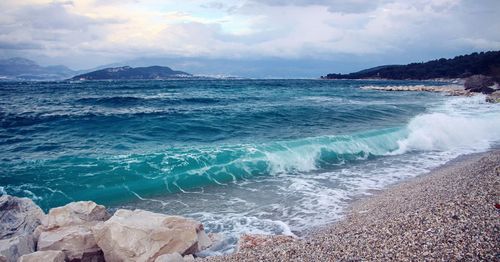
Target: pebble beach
450	214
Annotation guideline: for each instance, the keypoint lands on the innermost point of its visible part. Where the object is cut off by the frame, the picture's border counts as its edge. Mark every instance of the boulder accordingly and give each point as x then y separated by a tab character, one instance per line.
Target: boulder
75	213
14	247
76	241
18	219
44	256
68	229
144	236
18	216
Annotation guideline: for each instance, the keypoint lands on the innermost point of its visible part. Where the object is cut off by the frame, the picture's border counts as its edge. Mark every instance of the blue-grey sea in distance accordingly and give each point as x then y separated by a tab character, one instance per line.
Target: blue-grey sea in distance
258	156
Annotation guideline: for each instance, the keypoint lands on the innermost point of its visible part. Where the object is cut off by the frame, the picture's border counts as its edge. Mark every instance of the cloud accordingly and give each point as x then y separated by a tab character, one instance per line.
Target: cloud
214	5
49	29
53	16
86	32
340	6
8	45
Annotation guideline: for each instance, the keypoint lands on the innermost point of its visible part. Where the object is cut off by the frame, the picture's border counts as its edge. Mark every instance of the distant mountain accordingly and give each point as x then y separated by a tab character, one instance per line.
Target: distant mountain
24	69
130	73
243	68
484	63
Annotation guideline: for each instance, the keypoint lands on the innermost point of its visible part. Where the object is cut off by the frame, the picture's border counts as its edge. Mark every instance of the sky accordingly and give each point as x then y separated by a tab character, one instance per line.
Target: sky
296	37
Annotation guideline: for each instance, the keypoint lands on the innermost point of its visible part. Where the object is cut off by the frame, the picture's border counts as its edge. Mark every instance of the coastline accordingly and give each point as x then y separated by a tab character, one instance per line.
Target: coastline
447	214
457	81
452	90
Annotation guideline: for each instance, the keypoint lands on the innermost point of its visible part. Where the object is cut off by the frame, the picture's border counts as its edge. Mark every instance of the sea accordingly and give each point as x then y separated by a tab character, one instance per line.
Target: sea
241	156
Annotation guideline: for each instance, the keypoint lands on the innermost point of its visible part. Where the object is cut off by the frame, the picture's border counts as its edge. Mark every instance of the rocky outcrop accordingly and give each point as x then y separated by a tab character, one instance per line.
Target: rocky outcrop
450	90
18	219
474	84
69	229
144	236
84	231
44	256
479	84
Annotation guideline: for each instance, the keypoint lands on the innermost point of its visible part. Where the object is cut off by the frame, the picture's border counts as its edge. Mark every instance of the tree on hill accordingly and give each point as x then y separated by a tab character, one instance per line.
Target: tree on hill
484	63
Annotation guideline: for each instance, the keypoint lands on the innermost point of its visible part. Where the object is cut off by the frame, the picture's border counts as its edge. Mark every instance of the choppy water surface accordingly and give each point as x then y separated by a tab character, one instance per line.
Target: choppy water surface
261	156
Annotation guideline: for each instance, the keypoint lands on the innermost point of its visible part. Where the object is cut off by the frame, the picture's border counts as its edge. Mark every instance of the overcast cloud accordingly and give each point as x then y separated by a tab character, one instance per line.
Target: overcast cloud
88	33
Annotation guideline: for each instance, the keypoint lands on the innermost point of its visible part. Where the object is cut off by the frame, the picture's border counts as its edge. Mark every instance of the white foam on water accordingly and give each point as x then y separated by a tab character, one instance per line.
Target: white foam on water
461	124
301	159
233	225
26	190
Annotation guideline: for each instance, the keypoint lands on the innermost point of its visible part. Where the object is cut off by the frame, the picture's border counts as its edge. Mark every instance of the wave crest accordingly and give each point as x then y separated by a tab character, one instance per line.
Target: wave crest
461	124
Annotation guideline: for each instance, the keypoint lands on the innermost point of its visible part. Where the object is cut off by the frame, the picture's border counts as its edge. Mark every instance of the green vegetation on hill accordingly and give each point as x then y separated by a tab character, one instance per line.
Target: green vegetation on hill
484	63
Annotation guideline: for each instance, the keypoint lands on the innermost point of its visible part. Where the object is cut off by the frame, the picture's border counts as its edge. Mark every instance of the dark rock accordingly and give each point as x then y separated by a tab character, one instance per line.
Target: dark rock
18	216
479	84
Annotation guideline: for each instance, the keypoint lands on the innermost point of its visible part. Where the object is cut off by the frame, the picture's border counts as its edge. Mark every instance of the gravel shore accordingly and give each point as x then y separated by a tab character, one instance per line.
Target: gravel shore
448	215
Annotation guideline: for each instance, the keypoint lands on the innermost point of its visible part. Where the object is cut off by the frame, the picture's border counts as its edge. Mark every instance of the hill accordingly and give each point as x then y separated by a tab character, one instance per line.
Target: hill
18	68
484	63
130	73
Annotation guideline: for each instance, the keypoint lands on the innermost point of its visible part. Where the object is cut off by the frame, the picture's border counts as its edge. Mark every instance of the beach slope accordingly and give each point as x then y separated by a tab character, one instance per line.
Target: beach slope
449	214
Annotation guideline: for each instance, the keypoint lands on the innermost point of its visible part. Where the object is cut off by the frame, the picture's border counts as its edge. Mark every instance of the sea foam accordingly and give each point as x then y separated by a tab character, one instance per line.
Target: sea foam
467	124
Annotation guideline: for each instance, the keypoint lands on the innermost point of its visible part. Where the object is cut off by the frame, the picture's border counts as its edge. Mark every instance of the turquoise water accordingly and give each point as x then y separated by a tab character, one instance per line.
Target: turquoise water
268	156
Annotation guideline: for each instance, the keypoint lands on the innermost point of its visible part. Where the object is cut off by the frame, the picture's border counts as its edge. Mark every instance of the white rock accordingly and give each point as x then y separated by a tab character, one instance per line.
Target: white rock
143	236
68	229
203	240
174	257
44	256
75	213
77	242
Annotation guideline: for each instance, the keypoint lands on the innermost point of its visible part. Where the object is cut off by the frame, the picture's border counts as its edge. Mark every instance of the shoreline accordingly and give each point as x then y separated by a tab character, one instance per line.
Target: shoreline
448	213
458	81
